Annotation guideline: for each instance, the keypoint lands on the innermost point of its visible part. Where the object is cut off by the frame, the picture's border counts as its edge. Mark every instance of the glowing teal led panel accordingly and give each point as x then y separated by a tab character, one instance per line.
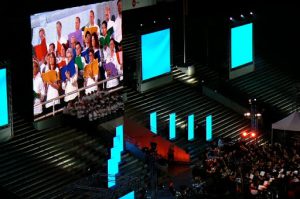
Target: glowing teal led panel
172	126
128	196
156	54
120	135
191	127
153	122
209	128
3	99
241	45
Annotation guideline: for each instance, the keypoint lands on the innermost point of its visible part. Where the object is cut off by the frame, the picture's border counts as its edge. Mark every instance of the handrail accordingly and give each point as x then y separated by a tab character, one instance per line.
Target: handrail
78	90
70	93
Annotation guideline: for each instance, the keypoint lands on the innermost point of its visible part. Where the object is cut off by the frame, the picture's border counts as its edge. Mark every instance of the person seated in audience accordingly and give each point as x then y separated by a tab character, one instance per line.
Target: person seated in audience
42	35
52	87
95	46
118	28
80	62
60	38
107	17
92	22
112	58
51	48
88	45
93	78
38	89
45	64
104	40
62	59
70	84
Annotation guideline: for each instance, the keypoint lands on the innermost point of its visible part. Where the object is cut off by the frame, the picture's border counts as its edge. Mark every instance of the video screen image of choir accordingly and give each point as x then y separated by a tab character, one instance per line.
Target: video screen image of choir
76	54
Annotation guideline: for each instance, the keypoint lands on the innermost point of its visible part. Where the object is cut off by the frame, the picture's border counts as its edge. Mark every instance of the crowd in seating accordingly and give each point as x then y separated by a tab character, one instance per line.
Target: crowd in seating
248	171
95	105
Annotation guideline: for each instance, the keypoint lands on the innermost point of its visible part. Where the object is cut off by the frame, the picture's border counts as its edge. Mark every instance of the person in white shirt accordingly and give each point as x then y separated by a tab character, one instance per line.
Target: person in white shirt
118	24
60	39
110	23
104	41
70	84
44	64
38	88
92	22
91	80
113	59
52	88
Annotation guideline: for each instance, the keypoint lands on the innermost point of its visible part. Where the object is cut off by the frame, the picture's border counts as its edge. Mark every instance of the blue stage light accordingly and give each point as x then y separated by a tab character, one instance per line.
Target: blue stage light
120	135
241	45
209	128
191	127
172	126
156	54
3	98
128	196
153	122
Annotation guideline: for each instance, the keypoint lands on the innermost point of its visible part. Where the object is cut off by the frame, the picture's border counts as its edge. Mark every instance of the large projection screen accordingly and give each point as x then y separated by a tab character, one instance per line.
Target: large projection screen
3	98
75	48
156	54
241	45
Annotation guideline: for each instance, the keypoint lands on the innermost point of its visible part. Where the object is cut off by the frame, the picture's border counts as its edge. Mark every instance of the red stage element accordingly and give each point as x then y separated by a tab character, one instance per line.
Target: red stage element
142	137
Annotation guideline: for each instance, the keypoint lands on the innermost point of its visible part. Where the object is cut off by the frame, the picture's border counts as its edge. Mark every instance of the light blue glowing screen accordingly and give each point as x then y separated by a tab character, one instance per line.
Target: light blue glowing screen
153	122
156	55
3	99
209	128
172	126
241	45
128	196
191	127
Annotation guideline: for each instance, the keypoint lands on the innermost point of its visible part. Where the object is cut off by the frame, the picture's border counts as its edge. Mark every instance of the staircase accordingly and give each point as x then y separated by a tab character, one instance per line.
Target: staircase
39	164
183	100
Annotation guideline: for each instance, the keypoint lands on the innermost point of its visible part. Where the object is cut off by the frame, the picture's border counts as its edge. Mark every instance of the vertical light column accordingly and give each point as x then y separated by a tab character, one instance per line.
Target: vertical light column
115	159
191	127
209	128
172	126
153	122
3	98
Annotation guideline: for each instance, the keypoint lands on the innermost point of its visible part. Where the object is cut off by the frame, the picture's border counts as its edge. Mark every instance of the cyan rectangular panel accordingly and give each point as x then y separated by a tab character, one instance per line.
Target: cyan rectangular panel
128	196
111	181
120	135
153	122
172	126
191	127
116	144
156	54
116	154
112	170
3	98
241	45
209	128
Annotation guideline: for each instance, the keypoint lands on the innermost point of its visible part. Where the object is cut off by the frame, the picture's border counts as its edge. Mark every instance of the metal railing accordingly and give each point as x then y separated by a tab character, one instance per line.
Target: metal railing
71	93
